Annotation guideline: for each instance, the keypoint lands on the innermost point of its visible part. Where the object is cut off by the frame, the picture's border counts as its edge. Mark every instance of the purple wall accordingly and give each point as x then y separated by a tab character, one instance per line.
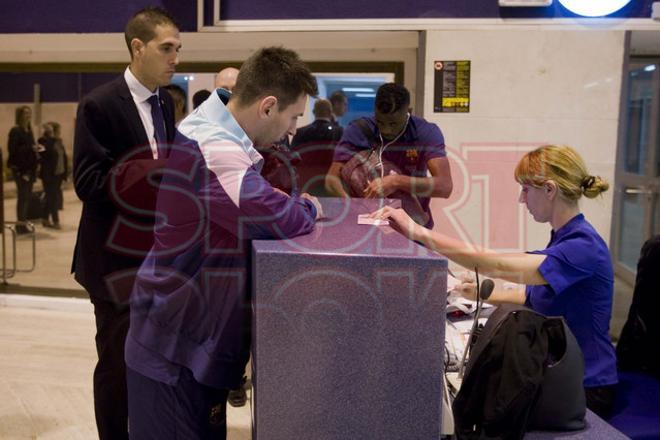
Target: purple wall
48	16
55	87
305	9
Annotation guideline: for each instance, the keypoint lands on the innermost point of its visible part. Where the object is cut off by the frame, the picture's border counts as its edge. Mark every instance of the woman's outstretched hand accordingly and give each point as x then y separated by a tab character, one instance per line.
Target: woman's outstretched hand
400	222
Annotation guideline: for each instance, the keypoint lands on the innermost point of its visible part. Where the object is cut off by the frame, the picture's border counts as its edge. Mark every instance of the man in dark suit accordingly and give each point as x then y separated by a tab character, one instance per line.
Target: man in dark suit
315	143
122	129
322	130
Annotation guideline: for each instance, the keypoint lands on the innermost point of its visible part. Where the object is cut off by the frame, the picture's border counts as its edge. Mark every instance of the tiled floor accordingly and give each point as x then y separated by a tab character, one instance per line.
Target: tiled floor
46	363
47	356
54	248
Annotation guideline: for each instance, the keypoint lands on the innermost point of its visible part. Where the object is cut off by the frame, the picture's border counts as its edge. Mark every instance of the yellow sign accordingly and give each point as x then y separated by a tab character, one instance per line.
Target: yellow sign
455	102
451	92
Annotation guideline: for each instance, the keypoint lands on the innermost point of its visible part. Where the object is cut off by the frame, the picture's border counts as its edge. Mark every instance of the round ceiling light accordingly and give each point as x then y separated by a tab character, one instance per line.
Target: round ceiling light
593	8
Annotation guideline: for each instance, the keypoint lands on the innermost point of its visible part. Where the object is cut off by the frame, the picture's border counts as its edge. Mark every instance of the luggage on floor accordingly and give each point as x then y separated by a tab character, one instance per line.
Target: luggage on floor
37	206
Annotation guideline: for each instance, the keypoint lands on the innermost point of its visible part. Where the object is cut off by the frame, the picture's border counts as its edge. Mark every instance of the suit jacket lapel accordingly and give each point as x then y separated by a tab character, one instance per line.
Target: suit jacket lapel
168	115
131	113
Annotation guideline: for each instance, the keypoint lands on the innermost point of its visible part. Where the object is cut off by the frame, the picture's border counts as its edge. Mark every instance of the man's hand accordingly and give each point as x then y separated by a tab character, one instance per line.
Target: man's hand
315	202
381	187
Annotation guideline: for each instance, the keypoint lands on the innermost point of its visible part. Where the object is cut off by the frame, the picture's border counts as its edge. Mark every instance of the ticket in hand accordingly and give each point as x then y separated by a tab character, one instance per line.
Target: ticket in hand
364	219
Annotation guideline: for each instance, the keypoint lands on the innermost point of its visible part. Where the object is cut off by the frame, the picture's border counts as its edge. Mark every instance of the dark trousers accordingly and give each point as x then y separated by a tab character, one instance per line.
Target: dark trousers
23	194
52	191
110	395
187	410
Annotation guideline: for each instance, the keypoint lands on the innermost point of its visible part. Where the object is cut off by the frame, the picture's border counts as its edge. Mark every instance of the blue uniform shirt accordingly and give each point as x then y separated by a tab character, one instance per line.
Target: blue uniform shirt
580	285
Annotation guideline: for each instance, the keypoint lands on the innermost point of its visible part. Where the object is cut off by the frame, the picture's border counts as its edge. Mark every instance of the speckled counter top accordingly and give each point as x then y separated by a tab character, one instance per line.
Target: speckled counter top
595	429
348	332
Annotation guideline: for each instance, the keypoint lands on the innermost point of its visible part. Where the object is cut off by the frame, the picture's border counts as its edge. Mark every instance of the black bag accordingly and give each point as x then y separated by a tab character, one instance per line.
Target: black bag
37	206
561	404
638	348
525	372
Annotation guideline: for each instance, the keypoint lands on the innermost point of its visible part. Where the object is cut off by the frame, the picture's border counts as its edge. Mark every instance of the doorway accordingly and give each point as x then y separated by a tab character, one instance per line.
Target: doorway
637	195
359	89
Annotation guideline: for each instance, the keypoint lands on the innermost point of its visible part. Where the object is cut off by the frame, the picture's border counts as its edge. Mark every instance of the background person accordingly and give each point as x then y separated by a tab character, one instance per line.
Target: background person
572	277
226	79
179	98
321	131
52	171
22	161
199	97
62	167
339	102
315	143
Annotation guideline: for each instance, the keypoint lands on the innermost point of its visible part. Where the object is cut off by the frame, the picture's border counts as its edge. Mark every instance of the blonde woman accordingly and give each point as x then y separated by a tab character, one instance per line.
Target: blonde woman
572	277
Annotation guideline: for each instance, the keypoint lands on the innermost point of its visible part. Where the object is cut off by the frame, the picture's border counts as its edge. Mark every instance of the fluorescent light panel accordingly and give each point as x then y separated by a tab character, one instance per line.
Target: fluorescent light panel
358	89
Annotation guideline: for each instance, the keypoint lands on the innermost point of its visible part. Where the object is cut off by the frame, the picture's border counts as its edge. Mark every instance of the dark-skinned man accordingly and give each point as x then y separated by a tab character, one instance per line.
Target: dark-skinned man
414	145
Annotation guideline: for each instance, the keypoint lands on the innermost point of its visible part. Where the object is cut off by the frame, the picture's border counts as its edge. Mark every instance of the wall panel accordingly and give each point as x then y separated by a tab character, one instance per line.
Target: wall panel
528	88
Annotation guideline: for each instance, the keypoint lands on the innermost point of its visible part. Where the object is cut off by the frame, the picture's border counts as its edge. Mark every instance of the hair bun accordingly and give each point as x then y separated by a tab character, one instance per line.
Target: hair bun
588	182
592	186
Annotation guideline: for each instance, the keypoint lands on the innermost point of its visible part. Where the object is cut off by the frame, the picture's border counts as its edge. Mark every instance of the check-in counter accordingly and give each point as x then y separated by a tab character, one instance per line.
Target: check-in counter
348	332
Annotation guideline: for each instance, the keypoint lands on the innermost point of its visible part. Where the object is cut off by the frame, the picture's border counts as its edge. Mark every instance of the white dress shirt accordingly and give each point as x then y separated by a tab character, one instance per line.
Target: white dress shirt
140	95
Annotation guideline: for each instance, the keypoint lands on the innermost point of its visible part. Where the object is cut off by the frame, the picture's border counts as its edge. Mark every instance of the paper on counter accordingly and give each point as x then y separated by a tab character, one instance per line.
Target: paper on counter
467	306
465	325
364	219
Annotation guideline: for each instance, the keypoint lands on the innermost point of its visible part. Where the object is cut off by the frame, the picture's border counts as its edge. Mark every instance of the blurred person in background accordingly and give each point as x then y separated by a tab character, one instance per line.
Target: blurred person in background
52	171
339	102
226	79
179	97
199	97
22	161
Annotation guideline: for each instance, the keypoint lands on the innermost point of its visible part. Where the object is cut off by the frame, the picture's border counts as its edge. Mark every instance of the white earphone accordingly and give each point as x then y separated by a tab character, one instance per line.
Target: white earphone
383	145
